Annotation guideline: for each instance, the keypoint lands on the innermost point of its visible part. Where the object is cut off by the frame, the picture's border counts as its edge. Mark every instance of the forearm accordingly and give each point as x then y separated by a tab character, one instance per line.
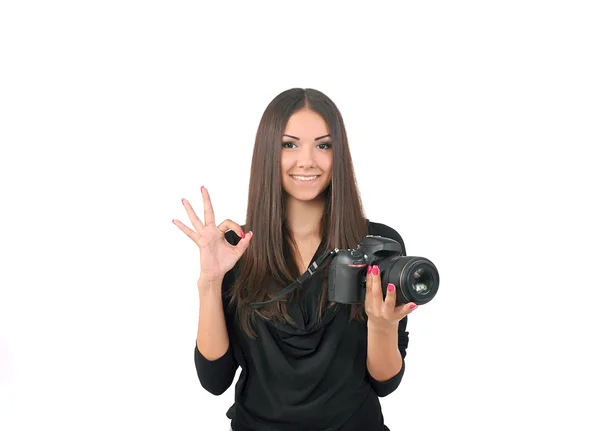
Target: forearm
384	360
213	339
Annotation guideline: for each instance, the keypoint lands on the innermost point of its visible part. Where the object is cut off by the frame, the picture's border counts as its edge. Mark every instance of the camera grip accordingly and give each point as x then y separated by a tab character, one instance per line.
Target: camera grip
345	281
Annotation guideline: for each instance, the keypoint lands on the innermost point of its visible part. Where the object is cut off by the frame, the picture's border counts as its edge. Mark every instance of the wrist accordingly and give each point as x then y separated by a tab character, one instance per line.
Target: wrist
209	283
382	327
210	279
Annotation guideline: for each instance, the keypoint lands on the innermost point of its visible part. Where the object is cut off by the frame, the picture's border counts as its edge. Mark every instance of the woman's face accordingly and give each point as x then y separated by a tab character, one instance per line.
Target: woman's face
305	153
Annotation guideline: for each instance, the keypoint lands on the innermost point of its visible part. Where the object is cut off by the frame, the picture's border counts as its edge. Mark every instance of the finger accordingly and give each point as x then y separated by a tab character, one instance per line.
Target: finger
376	294
209	214
410	307
390	300
196	222
186	230
368	278
244	243
231	225
368	287
404	310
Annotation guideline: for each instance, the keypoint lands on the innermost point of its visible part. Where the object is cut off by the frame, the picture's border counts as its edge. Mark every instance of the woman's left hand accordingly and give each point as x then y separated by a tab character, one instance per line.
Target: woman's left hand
383	313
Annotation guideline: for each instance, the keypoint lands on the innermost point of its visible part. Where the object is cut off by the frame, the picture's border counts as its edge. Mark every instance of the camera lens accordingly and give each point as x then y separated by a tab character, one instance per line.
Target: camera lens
421	282
416	278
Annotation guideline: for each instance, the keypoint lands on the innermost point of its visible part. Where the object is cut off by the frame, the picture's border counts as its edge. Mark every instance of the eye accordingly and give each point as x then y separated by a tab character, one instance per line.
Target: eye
323	146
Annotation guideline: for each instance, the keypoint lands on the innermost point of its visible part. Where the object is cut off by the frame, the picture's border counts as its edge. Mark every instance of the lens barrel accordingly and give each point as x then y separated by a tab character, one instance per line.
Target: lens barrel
416	278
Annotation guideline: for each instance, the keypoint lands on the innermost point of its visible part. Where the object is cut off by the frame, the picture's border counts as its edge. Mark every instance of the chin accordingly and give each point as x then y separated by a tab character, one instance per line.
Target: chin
304	195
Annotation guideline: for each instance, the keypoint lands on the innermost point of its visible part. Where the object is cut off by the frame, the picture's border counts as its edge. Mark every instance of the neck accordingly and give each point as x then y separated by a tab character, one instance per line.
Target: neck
304	217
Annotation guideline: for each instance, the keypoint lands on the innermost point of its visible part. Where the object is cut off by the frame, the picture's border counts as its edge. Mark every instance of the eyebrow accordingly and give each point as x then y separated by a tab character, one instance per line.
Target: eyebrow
316	139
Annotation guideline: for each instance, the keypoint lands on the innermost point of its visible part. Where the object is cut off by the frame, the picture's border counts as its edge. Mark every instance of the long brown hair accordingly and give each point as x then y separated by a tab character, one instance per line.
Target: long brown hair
268	264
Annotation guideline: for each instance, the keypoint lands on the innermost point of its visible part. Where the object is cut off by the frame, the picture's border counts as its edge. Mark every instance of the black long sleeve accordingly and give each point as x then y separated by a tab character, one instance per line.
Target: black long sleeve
383	389
217	375
310	375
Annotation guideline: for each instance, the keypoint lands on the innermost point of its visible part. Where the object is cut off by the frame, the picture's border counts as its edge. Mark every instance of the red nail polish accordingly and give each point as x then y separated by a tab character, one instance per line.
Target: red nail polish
243	235
375	270
369	269
391	287
412	306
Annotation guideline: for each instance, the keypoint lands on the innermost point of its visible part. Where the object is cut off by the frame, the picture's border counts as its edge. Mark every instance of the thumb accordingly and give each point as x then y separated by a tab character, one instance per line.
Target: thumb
243	244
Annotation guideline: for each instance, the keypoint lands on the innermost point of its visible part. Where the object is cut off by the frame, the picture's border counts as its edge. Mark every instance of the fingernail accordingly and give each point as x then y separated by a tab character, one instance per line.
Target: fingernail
375	270
369	269
182	200
412	306
201	189
391	287
243	235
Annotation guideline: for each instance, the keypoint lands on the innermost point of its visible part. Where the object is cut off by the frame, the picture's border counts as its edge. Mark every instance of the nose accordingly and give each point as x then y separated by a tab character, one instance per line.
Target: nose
305	157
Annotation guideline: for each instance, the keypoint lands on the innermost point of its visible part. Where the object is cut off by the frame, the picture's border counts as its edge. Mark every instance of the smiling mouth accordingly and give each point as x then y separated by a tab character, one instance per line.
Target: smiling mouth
305	178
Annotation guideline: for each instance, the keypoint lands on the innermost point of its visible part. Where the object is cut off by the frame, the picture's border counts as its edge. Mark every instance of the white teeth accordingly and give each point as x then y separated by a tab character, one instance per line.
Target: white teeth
304	178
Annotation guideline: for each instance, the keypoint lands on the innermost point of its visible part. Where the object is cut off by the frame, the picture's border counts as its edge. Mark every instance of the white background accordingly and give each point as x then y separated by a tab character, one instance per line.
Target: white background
474	132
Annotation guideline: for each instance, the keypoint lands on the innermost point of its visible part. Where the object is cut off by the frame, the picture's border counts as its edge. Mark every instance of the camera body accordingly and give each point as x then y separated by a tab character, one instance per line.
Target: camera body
416	278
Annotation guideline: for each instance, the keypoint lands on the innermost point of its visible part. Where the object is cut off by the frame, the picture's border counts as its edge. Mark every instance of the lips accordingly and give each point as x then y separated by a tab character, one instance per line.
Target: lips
305	179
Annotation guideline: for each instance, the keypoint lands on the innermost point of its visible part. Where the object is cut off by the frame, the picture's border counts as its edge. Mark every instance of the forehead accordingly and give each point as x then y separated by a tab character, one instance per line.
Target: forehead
306	124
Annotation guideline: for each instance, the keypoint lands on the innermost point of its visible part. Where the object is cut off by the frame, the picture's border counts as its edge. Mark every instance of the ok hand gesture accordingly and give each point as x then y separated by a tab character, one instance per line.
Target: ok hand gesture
217	256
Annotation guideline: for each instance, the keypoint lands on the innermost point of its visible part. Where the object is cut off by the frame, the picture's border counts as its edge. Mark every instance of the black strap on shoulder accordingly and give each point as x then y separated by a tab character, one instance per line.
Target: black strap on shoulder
309	272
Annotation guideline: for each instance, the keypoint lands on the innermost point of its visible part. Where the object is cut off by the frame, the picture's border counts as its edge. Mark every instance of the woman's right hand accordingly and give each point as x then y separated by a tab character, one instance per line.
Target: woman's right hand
217	256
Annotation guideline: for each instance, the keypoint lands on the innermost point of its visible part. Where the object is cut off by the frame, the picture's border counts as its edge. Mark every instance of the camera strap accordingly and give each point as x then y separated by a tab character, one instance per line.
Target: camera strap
296	284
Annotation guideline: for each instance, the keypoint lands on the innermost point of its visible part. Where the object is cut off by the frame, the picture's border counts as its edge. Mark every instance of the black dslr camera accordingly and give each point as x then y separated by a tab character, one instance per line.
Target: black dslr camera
416	278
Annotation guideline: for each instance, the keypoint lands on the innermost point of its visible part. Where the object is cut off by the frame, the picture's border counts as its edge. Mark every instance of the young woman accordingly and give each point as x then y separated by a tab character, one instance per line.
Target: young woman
306	364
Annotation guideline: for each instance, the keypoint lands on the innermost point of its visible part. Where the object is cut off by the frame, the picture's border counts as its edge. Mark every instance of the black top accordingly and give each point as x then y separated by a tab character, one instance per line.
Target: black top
306	377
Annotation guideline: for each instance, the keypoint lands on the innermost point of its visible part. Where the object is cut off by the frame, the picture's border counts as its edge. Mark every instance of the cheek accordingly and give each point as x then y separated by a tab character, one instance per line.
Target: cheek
284	165
285	169
327	163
